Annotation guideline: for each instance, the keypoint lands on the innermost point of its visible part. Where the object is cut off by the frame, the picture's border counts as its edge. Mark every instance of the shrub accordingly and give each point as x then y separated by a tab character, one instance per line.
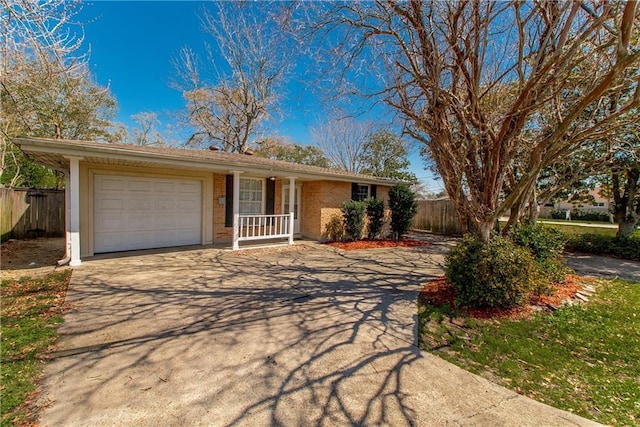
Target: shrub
599	244
545	244
353	216
403	205
375	217
494	274
334	229
558	214
580	215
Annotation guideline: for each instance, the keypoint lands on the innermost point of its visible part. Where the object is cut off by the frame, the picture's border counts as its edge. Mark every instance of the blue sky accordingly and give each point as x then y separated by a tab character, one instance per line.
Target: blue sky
132	46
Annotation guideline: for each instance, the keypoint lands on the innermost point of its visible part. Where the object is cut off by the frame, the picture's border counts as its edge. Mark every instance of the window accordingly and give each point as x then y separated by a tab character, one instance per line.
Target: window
251	196
362	192
601	204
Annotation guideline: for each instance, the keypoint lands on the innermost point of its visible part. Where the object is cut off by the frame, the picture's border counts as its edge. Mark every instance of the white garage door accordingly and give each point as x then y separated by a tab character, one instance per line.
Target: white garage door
139	213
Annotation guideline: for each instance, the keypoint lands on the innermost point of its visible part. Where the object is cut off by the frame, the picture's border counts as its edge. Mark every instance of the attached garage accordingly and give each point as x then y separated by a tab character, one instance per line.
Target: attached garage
133	212
128	197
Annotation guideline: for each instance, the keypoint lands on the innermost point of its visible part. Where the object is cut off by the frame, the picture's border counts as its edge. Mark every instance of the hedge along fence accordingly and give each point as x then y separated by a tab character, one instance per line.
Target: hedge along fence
29	213
437	216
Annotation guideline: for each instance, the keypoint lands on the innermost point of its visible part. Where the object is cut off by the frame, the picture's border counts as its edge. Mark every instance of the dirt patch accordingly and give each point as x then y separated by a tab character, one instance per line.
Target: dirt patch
33	257
377	244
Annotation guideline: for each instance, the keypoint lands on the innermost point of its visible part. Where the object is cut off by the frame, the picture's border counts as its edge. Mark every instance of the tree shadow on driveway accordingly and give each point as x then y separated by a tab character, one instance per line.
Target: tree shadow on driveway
303	337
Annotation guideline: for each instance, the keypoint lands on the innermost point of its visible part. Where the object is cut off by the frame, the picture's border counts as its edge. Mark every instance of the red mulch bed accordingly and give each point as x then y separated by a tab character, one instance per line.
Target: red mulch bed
377	244
439	292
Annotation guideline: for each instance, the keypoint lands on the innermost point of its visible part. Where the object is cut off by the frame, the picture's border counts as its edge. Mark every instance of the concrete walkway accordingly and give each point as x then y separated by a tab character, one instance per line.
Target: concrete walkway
302	337
600	266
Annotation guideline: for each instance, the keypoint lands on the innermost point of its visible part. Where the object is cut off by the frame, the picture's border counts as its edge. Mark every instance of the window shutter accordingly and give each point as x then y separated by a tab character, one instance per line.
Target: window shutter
374	189
228	205
271	197
354	191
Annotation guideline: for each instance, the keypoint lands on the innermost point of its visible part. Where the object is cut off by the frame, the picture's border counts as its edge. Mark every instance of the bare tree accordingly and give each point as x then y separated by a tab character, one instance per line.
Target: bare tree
342	140
237	91
473	80
146	133
46	86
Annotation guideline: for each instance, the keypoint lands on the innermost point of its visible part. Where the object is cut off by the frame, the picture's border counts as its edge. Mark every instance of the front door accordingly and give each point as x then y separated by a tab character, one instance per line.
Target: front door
296	207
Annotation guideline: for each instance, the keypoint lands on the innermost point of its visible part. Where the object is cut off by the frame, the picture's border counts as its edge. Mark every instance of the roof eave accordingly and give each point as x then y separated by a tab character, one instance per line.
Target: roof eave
76	149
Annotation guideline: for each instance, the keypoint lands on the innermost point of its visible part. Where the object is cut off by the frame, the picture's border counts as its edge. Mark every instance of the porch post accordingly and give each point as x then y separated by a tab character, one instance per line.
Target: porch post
236	209
67	220
74	210
292	200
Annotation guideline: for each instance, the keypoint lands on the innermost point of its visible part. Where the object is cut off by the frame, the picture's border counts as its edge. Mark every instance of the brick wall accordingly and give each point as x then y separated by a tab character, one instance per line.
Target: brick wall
320	201
220	232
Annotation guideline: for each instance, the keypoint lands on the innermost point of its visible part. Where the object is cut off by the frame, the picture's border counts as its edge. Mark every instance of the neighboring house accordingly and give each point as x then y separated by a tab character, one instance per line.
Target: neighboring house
127	197
599	204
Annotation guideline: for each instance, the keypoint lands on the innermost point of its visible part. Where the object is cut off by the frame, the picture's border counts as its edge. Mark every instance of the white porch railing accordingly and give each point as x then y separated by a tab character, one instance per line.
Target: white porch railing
259	227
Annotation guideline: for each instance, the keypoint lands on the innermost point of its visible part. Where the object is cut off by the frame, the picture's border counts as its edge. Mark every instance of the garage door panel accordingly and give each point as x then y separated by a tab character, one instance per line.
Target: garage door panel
111	184
138	213
140	185
112	223
186	187
142	204
188	205
166	187
164	204
110	204
139	223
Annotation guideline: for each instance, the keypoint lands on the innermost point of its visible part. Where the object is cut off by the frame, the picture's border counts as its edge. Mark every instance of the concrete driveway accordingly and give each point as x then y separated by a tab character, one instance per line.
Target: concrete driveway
300	337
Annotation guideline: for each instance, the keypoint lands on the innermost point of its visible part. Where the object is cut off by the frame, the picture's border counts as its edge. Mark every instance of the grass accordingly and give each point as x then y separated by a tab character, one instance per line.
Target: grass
581	359
571	230
575	230
569	222
31	307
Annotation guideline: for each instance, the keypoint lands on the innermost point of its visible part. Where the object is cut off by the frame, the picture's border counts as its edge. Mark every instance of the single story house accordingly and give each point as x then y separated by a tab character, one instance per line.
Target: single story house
128	197
599	204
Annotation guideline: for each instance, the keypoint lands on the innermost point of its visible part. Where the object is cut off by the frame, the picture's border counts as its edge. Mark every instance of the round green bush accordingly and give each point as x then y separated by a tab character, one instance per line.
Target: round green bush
494	274
545	243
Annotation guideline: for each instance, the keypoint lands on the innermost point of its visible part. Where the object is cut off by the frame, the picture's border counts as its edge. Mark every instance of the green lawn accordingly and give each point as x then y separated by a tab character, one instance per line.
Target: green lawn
31	307
574	230
567	221
581	359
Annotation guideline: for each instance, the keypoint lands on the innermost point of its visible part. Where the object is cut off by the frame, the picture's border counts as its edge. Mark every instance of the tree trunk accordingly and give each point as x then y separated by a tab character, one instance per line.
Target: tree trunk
534	210
626	208
483	230
626	227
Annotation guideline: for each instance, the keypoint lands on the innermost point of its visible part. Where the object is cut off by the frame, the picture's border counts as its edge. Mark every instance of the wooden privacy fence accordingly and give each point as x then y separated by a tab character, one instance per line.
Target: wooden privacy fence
29	213
437	216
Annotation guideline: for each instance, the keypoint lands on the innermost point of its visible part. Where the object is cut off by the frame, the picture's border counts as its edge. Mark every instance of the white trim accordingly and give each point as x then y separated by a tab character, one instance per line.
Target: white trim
258	227
298	188
236	209
292	204
263	195
74	208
